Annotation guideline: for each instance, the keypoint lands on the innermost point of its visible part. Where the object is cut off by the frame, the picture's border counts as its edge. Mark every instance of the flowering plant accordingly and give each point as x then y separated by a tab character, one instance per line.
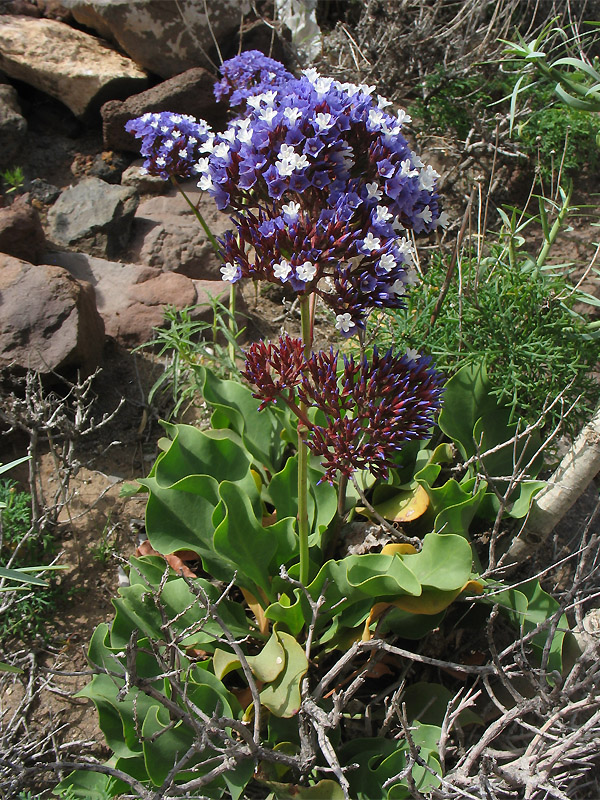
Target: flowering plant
242	660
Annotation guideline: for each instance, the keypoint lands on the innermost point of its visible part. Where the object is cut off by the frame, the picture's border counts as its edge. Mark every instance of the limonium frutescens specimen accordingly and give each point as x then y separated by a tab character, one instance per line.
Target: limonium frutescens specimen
323	190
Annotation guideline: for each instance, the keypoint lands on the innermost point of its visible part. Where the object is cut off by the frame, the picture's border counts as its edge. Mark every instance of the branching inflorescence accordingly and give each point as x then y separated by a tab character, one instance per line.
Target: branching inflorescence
323	190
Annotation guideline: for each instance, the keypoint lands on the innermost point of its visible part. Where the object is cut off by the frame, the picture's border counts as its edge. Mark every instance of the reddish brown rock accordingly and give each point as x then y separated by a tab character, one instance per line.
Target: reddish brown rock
132	298
21	233
49	320
188	93
166	234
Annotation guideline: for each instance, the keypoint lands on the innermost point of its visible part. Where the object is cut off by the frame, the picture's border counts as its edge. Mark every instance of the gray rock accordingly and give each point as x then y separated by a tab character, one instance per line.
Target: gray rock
168	236
42	191
71	66
93	216
13	126
49	320
132	298
142	182
21	232
188	93
163	36
109	166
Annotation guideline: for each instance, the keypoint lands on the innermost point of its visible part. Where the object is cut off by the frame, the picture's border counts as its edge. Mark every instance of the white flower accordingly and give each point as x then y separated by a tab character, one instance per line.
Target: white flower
375	118
284	168
245	136
425	215
286	151
365	88
343	322
387	262
192	140
205	183
371	242
299	162
292	114
269	97
427	178
203	165
398	288
382	214
322	85
161	161
405	248
229	272
374	191
403	117
306	272
411	277
406	169
291	209
176	135
443	220
382	102
323	121
254	101
282	270
176	119
164	128
209	144
267	114
183	154
312	74
221	150
169	145
229	135
414	355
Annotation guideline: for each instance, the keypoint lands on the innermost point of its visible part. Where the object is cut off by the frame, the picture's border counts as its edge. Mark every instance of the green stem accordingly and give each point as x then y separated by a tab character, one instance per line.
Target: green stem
217	249
550	239
199	217
303	456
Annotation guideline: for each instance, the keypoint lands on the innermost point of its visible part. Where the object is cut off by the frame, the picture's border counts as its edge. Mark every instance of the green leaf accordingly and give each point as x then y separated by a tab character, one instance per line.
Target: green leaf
323	790
20	576
4	667
466	399
282	697
271	660
164	744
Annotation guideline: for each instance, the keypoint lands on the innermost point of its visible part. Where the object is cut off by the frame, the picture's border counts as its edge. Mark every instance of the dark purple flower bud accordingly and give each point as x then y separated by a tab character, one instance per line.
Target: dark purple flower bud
273	368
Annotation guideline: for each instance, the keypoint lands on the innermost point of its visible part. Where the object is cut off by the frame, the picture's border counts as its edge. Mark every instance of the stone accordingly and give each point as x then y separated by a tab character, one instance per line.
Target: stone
93	216
109	166
142	182
42	192
49	320
132	298
13	126
71	66
21	232
188	93
167	235
164	36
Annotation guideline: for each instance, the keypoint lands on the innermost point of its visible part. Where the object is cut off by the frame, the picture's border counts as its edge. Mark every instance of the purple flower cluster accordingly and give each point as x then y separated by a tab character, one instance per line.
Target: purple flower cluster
247	74
371	407
171	143
323	186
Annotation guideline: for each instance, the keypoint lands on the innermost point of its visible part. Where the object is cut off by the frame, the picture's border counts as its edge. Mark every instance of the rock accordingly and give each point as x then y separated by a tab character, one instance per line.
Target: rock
131	298
168	236
13	126
42	191
71	66
109	166
49	320
21	233
93	216
188	93
163	36
142	182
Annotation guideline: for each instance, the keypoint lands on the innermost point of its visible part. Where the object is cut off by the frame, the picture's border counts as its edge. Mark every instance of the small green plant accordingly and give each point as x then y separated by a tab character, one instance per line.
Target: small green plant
13	178
189	344
104	550
32	598
514	311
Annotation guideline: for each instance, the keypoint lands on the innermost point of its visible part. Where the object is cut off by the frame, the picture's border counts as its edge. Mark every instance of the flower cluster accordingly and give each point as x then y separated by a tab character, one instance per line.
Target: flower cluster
372	407
171	143
324	188
247	74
